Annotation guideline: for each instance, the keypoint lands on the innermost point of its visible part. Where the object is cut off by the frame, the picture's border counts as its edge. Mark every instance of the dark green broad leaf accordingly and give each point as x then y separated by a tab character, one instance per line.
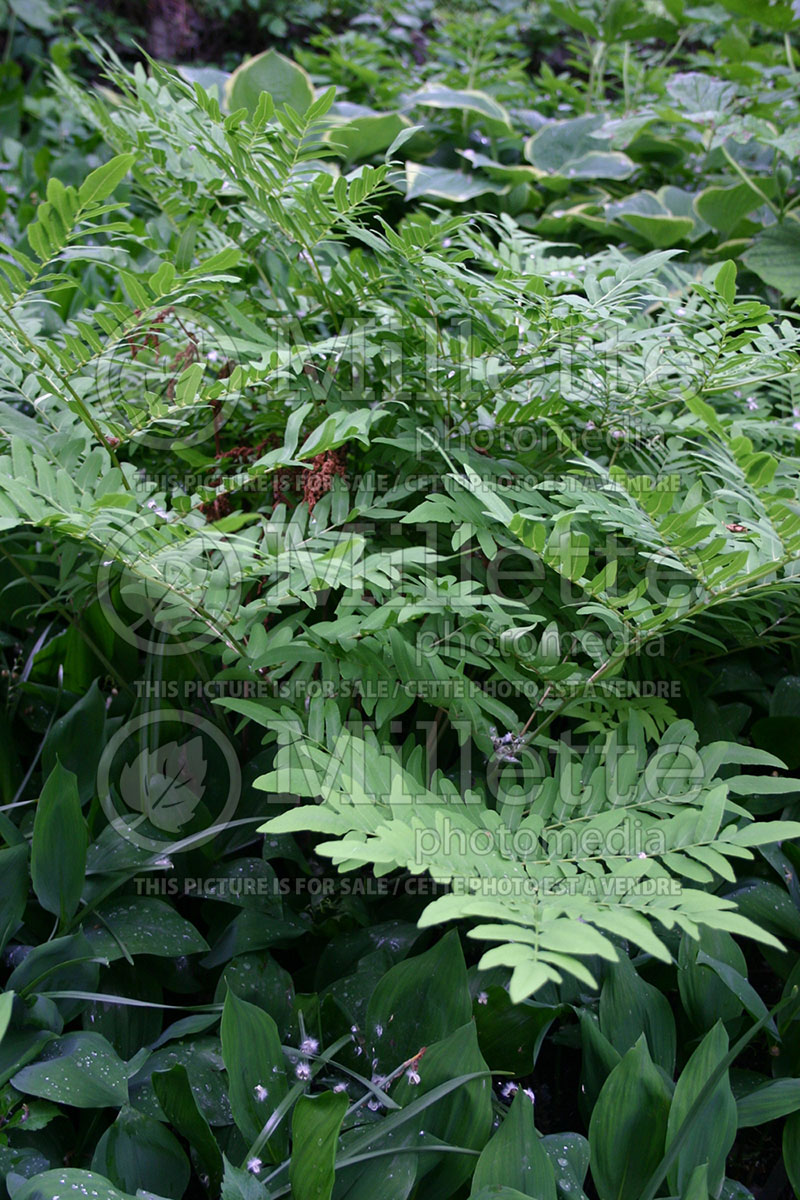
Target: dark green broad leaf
316	1122
697	1185
390	1177
740	987
791	1150
775	257
137	1152
258	979
13	889
79	1069
569	1155
284	80
733	1190
629	1007
515	1157
770	906
775	1099
251	1051
69	1182
202	1059
705	996
252	931
6	1005
463	1117
598	1059
19	1047
64	964
127	1026
18	1163
628	1128
419	1001
785	700
510	1034
714	1128
175	1095
77	739
497	1191
141	925
58	851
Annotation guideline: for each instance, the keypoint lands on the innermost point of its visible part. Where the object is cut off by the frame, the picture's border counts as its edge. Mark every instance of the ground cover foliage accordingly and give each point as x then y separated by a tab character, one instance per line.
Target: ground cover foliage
399	541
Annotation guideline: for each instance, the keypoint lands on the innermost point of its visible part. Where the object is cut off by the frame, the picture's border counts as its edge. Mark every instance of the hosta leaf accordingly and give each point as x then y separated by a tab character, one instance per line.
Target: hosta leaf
444	184
775	257
271	72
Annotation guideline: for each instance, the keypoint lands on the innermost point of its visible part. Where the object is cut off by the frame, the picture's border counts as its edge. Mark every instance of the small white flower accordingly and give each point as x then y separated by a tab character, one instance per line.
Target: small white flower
529	1093
260	1091
254	1165
642	854
412	1075
752	404
379	1031
508	1090
483	997
340	1087
212	355
374	1104
796	425
303	1070
309	1045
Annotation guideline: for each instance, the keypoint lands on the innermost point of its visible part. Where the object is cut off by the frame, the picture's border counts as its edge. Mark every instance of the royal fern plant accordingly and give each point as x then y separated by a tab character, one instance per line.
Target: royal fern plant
544	484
